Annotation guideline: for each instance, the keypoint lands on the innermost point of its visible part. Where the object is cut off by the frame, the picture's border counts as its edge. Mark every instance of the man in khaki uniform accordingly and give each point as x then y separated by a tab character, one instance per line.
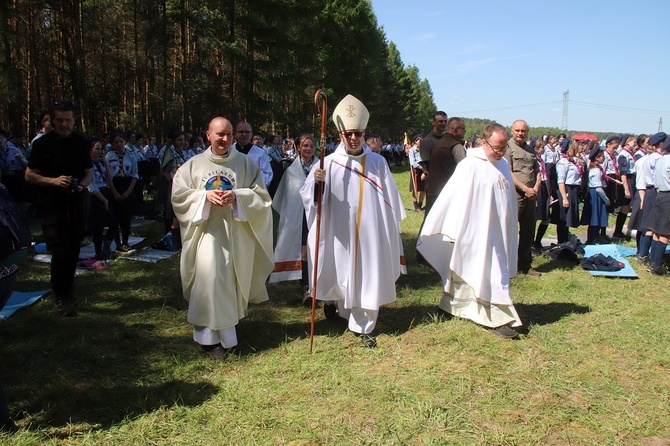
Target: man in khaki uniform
525	171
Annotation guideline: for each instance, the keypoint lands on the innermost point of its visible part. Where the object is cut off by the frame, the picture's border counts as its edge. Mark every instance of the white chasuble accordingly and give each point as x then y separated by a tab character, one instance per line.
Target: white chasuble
472	231
226	250
360	249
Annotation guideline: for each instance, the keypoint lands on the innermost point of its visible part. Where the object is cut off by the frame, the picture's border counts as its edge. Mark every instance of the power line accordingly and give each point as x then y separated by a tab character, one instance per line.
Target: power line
503	108
619	107
565	103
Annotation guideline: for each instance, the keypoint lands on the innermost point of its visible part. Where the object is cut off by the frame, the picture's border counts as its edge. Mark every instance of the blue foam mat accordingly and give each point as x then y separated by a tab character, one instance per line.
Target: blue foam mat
617	252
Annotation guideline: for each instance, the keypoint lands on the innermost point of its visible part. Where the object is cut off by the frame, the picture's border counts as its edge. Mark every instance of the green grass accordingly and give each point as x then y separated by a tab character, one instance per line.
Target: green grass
592	366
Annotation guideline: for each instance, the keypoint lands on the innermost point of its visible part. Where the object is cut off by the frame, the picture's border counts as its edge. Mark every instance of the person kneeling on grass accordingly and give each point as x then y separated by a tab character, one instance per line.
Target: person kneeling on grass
470	237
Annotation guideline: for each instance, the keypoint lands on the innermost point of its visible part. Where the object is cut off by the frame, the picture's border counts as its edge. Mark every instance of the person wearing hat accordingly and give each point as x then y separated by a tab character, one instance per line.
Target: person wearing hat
223	208
660	219
648	193
569	176
548	209
611	168
634	223
470	237
544	199
595	213
626	190
417	185
360	249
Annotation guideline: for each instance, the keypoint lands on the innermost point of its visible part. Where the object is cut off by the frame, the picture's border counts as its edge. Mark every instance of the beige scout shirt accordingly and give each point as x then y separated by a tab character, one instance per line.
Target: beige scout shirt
523	163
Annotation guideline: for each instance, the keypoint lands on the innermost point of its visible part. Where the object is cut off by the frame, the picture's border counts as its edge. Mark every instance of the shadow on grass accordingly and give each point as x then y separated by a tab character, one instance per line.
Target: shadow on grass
550	264
401	319
548	313
117	359
268	329
103	407
94	369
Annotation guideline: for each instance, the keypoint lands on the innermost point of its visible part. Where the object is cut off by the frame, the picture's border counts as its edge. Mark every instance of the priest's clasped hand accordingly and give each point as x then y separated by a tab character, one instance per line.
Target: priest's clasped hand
221	197
319	175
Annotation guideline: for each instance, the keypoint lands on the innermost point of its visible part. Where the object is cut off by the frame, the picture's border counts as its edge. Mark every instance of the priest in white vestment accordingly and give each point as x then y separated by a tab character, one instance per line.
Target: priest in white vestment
360	250
470	237
223	208
291	249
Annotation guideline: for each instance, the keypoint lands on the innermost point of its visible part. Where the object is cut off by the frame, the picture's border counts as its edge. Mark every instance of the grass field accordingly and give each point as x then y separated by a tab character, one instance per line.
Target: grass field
592	366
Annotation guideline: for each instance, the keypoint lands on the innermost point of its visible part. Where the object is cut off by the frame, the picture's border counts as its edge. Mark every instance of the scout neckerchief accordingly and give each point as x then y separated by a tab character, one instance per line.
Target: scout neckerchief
306	167
628	151
101	170
602	170
613	161
632	157
178	157
120	156
577	166
543	169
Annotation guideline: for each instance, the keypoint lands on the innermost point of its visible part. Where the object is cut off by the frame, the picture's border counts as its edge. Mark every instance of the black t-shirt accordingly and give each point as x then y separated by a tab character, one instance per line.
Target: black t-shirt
54	156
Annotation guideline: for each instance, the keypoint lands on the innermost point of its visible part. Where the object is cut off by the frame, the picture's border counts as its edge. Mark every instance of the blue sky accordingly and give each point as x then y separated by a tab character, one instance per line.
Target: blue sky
507	60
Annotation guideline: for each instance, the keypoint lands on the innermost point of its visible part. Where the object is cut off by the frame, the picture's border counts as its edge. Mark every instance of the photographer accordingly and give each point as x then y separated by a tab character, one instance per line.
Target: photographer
60	167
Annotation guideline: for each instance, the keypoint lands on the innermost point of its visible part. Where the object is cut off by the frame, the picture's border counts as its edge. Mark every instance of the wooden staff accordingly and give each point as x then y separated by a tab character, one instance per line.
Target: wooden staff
319	99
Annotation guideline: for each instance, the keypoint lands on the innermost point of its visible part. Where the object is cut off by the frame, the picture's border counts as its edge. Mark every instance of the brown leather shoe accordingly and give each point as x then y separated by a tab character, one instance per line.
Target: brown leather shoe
533	272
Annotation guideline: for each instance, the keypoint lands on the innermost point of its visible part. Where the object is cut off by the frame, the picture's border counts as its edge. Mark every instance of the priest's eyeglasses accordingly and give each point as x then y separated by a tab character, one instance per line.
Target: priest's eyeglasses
498	149
356	134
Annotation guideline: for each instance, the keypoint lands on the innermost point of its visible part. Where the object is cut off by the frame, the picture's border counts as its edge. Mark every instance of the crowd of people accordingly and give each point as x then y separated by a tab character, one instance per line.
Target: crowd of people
488	204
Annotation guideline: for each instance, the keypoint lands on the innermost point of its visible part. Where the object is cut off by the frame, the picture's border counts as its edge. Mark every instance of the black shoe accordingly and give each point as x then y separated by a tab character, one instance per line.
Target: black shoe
306	297
217	351
330	311
657	270
368	340
602	240
124	250
644	260
536	249
504	331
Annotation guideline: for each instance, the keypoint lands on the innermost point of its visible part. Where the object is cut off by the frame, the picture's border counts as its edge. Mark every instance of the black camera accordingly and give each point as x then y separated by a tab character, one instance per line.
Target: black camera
74	185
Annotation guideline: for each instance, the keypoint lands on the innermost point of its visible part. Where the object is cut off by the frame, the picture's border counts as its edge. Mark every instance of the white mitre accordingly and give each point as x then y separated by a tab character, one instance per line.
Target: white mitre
350	114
